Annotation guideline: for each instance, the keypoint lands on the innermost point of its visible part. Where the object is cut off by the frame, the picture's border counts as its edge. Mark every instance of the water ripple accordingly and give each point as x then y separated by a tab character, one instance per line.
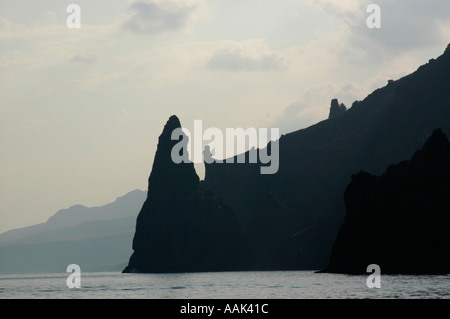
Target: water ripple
226	285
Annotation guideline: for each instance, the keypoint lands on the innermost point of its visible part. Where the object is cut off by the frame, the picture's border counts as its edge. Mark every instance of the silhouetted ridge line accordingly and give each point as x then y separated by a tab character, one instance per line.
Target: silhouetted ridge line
290	220
316	164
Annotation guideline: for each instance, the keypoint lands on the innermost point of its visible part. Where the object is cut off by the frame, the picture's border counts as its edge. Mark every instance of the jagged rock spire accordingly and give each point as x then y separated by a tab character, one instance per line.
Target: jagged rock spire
180	226
336	109
167	176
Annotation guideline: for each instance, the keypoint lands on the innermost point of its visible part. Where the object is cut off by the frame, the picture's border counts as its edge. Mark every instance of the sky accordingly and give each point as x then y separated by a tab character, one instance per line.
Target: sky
81	109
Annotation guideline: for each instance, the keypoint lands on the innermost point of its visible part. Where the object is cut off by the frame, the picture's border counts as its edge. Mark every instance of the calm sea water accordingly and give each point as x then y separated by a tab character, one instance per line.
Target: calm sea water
222	285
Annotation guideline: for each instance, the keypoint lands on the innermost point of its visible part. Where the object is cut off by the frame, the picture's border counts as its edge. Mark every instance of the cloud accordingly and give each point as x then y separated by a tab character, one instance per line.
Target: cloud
347	8
404	26
236	60
305	111
293	118
84	58
313	105
153	17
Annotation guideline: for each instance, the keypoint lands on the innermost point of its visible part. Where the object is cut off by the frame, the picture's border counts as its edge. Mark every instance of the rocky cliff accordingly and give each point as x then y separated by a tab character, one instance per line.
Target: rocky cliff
399	220
287	220
316	164
182	228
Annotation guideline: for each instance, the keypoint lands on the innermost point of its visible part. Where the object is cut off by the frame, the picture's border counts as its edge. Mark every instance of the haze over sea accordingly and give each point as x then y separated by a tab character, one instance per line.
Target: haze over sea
222	285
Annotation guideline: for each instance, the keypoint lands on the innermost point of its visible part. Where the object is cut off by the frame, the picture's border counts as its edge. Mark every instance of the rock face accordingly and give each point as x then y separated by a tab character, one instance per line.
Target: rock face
182	228
316	164
287	220
401	219
336	109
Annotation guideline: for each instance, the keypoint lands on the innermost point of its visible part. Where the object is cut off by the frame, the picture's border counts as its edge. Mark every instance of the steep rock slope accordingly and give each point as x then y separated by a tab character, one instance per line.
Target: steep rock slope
399	220
182	228
316	165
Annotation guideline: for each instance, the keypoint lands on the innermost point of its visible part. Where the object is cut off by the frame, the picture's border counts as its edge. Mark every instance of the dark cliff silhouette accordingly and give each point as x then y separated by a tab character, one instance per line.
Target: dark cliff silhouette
399	220
287	220
182	228
306	207
336	109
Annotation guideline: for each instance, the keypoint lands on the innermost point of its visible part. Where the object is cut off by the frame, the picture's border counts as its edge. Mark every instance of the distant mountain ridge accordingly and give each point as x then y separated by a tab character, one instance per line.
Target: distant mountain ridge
96	238
123	206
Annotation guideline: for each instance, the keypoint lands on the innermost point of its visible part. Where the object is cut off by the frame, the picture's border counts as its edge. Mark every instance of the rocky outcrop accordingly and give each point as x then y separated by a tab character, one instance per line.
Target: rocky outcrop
181	227
336	109
399	220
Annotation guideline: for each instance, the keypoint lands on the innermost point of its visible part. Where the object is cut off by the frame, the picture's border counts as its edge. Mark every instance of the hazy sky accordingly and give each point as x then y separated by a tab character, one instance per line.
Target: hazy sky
81	109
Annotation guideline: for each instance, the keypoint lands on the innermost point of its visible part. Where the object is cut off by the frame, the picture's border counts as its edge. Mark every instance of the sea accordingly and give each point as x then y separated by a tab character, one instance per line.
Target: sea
222	285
